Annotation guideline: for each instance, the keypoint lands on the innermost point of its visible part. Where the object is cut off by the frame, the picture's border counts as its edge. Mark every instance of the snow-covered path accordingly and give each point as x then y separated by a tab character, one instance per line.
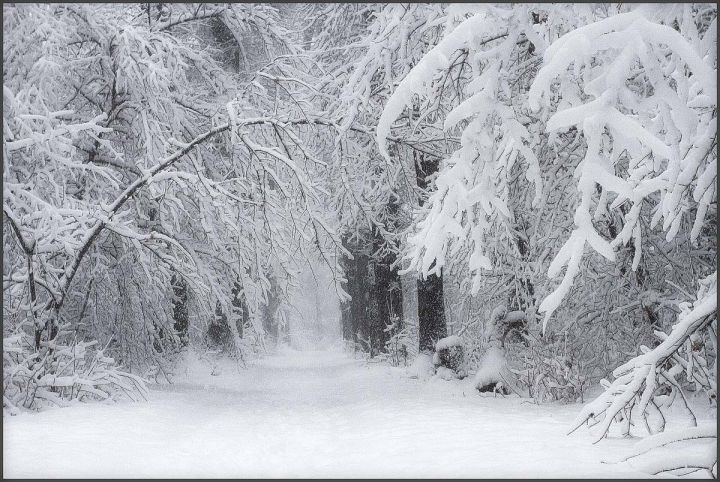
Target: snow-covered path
307	414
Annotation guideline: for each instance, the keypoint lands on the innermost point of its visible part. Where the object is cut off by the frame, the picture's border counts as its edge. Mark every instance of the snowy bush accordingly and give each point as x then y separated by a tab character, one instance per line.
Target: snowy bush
494	374
59	374
450	354
550	372
493	369
396	347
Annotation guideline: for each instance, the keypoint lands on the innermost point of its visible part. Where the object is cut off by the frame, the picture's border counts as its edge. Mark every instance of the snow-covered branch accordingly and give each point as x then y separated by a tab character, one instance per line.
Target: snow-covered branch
637	380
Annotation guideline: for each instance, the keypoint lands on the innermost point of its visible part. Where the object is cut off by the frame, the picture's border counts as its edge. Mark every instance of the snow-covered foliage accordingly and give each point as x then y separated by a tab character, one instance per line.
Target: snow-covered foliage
644	82
399	343
633	393
647	112
449	357
494	373
521	193
581	126
77	372
136	159
551	370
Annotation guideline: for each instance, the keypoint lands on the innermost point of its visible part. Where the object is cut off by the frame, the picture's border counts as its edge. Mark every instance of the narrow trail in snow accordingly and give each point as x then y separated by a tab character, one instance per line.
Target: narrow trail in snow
306	414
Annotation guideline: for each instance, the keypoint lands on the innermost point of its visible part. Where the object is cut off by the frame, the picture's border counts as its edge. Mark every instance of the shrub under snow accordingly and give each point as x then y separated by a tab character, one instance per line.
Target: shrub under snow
422	367
58	375
494	373
449	358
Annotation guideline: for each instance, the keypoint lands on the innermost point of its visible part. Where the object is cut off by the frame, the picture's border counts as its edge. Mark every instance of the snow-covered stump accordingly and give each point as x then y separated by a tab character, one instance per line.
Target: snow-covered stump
494	374
449	358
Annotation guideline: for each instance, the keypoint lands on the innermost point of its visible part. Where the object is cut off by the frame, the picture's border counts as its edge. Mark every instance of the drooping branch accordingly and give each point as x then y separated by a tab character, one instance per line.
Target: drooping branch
638	377
149	176
115	206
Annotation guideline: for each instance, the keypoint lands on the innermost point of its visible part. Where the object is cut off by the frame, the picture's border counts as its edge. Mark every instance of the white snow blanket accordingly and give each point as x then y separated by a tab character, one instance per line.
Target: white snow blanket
308	414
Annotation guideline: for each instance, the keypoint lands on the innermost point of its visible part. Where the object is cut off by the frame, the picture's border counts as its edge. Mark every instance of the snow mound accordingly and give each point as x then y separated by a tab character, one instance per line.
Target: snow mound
448	342
422	367
446	373
494	370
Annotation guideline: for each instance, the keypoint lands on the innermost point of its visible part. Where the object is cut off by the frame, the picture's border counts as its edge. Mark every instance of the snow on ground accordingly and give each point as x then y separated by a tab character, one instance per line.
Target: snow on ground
307	414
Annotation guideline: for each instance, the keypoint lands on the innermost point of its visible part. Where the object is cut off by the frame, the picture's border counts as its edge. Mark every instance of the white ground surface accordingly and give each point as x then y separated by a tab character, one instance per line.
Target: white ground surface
308	414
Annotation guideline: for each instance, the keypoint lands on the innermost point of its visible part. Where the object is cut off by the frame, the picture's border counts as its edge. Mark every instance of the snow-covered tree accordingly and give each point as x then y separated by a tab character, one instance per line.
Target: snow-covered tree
133	157
612	112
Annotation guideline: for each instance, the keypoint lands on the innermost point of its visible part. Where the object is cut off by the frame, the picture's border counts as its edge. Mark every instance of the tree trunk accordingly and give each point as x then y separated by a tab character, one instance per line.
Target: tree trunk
270	321
385	301
180	309
431	303
410	311
355	324
453	297
239	310
376	297
431	311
